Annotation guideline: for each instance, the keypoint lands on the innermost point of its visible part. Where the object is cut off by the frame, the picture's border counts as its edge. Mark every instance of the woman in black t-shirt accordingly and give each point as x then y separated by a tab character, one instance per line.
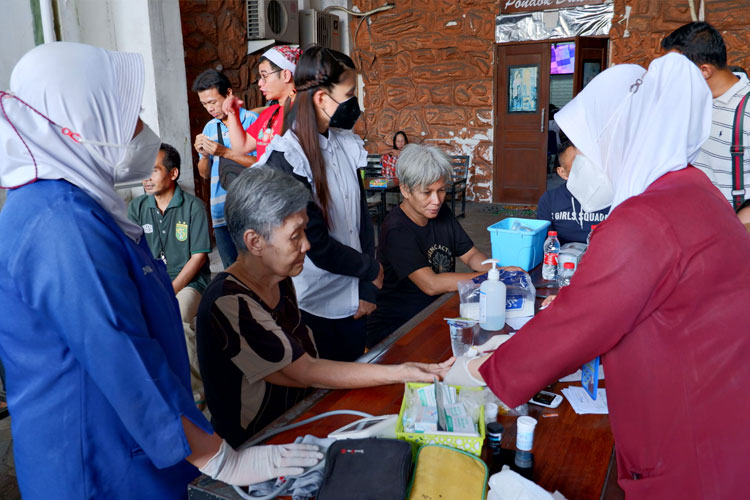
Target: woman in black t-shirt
419	242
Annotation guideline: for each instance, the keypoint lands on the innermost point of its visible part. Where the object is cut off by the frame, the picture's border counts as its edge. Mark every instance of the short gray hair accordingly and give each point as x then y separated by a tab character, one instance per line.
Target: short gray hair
260	198
419	166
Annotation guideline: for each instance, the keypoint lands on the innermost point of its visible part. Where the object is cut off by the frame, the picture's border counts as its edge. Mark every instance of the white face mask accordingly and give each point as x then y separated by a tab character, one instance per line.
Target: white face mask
590	185
138	160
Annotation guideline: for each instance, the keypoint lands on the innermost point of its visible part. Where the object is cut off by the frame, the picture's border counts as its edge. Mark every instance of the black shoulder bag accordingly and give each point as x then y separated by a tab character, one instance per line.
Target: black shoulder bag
228	169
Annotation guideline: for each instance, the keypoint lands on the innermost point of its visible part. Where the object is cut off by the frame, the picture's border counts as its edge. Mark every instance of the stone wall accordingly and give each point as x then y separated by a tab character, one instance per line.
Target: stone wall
214	37
651	21
427	67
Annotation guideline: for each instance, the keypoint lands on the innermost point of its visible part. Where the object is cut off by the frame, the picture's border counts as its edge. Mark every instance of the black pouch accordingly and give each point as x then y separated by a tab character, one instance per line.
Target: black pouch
366	469
228	169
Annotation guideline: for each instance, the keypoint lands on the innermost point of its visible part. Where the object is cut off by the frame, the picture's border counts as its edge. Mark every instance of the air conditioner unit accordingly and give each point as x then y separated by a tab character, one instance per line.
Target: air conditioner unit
273	20
319	28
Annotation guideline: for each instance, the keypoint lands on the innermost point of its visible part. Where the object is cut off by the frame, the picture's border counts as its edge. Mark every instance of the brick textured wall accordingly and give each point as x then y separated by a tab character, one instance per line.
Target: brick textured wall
214	37
427	66
650	21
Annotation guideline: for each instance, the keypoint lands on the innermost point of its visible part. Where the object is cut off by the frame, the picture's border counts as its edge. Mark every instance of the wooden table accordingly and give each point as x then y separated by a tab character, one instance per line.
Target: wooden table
572	453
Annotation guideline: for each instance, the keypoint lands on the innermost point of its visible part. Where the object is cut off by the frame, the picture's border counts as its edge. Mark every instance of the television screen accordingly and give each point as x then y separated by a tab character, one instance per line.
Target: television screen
562	58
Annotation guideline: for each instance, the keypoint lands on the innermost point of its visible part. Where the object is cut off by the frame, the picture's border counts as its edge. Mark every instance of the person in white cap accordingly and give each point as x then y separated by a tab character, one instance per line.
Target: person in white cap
276	81
94	351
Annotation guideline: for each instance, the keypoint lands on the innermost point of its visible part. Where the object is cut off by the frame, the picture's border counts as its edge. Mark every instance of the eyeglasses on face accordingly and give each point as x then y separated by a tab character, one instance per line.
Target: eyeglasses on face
264	77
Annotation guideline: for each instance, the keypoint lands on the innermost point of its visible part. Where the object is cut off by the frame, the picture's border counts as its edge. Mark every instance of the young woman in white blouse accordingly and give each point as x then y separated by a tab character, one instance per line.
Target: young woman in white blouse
337	288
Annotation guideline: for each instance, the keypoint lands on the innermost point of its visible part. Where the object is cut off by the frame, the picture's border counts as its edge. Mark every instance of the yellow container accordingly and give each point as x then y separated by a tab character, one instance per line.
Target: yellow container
466	443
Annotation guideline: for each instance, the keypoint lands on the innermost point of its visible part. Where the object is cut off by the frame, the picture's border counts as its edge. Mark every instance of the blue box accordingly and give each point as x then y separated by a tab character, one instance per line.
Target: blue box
524	249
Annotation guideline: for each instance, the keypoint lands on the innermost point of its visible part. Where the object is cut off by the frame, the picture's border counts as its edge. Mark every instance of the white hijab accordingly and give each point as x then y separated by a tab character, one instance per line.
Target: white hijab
636	125
84	90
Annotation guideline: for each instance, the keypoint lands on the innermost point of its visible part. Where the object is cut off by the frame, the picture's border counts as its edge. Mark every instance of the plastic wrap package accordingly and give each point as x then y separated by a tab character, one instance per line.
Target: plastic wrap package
519	295
502	408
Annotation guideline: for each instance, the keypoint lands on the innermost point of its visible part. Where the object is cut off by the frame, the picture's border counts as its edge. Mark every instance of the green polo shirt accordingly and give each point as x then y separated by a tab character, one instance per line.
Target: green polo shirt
179	233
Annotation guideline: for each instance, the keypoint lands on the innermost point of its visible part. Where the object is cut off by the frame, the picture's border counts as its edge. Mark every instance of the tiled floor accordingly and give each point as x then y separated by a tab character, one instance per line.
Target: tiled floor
478	217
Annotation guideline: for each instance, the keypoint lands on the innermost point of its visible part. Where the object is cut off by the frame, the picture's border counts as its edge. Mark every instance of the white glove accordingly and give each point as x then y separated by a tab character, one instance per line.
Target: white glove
459	374
260	463
493	343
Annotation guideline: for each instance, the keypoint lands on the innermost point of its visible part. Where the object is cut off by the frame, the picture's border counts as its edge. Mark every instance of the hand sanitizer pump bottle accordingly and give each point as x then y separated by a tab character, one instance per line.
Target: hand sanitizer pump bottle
492	300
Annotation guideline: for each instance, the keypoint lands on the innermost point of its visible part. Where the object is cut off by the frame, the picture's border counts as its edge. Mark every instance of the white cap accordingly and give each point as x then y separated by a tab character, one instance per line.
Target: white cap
284	56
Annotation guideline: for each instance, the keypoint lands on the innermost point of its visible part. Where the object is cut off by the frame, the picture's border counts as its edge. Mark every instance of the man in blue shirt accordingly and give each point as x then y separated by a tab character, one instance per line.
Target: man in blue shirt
212	88
561	208
176	230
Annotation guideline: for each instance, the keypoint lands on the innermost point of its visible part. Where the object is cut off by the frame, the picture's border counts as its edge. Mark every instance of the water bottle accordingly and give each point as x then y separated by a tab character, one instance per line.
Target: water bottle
551	252
564	275
588	238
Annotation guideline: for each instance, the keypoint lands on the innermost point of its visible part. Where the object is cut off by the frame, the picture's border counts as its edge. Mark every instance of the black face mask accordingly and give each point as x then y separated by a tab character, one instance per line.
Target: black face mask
346	114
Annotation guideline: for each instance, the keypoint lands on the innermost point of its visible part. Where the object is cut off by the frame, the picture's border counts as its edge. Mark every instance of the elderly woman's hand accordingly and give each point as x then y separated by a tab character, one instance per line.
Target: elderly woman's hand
425	372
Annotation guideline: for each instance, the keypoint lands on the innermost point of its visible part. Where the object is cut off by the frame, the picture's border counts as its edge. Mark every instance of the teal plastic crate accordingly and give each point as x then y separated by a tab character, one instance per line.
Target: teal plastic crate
524	249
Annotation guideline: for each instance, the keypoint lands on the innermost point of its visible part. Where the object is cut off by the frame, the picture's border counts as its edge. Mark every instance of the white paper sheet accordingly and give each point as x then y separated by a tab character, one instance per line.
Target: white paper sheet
583	404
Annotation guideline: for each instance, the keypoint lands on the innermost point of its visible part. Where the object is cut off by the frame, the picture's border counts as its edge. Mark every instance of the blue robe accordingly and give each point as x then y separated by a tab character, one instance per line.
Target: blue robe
92	343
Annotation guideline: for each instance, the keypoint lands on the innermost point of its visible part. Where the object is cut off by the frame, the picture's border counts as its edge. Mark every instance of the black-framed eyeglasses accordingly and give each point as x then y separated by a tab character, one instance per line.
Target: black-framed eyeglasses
264	78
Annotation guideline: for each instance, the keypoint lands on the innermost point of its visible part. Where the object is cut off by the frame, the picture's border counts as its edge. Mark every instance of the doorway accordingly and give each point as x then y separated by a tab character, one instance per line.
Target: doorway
533	80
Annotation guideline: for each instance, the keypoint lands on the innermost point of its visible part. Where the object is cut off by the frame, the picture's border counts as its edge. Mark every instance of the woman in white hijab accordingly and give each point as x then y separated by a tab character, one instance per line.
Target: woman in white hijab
91	339
661	294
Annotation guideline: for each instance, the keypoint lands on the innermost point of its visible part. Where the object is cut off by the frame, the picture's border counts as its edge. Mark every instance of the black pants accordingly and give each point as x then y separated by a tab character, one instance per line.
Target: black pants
337	339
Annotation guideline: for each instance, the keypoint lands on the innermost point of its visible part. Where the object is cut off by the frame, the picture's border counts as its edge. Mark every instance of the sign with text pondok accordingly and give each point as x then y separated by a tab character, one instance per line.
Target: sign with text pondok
515	6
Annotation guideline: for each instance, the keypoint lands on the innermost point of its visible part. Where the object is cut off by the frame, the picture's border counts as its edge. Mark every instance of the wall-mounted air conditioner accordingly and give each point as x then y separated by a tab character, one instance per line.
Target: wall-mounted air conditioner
273	20
319	28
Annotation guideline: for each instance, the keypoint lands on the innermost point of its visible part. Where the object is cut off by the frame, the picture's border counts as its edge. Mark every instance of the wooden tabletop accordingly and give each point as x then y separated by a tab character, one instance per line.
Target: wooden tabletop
572	453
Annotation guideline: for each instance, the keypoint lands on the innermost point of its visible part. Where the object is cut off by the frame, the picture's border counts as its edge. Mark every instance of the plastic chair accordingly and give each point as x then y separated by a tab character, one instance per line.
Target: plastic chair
460	176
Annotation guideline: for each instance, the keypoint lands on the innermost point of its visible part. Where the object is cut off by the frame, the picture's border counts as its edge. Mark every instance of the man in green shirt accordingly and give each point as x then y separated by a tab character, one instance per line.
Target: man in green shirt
176	230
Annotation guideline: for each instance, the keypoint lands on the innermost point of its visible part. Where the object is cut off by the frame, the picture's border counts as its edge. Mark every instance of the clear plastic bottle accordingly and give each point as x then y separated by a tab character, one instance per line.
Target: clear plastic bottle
492	300
588	238
563	277
551	253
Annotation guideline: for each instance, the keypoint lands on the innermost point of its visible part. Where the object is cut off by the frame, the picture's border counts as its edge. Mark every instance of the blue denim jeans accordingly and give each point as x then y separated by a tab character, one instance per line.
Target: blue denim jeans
225	245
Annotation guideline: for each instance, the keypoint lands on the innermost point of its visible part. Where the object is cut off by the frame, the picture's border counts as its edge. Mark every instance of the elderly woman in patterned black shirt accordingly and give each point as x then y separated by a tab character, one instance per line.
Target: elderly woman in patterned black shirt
257	358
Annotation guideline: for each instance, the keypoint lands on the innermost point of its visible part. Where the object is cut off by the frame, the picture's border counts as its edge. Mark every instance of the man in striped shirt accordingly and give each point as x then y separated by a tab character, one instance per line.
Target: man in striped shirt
702	43
212	88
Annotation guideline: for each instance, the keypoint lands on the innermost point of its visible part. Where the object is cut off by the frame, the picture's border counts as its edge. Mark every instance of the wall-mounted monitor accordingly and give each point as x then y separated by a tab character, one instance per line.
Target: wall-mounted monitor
562	58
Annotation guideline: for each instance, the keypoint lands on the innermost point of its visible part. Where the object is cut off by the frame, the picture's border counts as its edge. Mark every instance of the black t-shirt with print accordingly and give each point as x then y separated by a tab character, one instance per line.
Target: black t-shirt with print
241	341
405	247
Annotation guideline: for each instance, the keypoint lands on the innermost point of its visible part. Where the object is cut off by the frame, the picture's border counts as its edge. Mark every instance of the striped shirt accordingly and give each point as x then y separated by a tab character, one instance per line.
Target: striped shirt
714	158
218	193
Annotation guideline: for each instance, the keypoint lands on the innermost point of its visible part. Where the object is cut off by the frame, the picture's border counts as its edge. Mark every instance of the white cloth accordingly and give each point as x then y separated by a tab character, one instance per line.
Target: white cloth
84	90
509	485
638	135
280	57
319	292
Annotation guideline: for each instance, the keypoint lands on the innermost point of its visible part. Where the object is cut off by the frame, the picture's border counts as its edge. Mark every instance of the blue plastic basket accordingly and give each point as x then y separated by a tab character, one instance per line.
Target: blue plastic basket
524	249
